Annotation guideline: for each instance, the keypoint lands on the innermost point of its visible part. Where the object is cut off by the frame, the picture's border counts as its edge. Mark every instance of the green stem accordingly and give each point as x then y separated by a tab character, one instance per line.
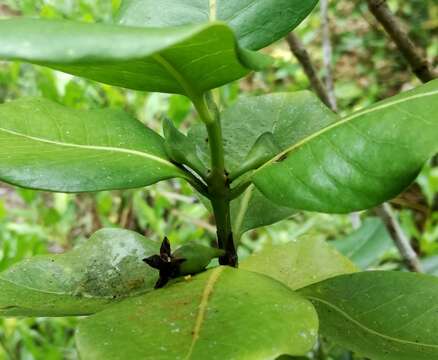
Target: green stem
218	183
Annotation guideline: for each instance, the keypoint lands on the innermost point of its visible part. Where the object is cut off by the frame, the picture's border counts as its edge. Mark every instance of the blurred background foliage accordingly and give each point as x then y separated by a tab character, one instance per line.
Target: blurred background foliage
367	68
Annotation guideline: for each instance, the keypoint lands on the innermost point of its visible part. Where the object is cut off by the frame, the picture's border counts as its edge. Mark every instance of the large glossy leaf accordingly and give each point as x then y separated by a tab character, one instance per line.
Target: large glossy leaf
257	23
380	315
46	146
367	245
221	314
106	268
186	60
299	263
360	161
289	118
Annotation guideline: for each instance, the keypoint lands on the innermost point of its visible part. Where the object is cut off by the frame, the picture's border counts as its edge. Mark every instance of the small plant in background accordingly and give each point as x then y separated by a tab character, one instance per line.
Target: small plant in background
253	164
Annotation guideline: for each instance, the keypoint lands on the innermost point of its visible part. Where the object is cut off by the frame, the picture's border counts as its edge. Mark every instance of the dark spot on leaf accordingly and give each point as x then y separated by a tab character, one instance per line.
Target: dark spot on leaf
281	158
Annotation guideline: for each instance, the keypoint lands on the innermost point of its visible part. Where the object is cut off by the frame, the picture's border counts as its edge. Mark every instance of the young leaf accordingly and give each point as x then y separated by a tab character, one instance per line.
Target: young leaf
252	210
47	146
196	257
367	245
181	149
104	269
299	263
220	314
257	23
263	150
360	161
380	315
186	60
289	117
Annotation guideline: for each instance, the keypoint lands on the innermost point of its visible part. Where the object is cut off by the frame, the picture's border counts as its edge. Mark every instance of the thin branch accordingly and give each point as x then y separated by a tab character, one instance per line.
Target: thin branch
402	242
6	11
423	70
356	221
328	54
419	64
300	52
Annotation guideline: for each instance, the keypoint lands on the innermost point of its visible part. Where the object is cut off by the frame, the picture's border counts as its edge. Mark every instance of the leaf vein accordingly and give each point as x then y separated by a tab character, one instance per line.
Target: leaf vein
202	309
369	330
91	147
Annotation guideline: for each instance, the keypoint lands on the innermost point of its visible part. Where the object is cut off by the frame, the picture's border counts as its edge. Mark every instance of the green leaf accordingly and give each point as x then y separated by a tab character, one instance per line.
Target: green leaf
360	161
220	314
263	150
257	23
197	257
290	117
181	149
380	315
106	268
367	245
46	146
299	263
186	60
252	210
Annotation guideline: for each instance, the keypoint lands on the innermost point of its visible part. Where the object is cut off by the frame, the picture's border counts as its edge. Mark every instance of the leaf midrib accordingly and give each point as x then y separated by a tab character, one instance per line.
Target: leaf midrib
93	147
367	329
202	309
339	123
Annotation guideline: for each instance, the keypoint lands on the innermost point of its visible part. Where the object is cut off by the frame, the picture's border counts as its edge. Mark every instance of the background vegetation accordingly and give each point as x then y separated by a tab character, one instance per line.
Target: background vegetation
366	68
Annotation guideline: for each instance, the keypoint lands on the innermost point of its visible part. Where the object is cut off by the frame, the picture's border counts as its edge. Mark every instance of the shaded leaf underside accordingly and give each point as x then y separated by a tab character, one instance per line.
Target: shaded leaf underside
186	60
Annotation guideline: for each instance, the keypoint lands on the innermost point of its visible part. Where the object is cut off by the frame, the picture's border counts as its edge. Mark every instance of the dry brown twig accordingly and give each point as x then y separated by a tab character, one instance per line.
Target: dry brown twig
300	52
419	64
